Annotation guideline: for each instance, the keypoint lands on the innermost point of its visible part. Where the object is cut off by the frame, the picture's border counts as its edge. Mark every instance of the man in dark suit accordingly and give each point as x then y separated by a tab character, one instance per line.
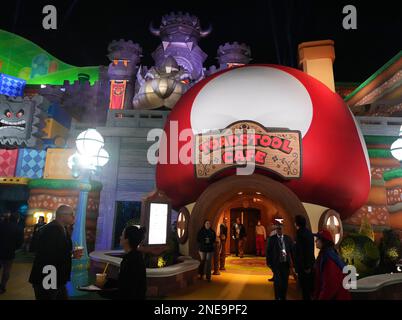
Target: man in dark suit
239	236
304	257
223	235
279	258
220	248
11	238
54	248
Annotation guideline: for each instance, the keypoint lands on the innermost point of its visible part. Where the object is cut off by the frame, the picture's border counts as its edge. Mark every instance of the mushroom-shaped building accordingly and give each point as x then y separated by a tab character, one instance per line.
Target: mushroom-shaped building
334	163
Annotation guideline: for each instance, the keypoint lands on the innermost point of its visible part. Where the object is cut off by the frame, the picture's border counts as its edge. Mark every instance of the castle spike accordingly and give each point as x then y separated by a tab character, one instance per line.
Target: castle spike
154	31
205	33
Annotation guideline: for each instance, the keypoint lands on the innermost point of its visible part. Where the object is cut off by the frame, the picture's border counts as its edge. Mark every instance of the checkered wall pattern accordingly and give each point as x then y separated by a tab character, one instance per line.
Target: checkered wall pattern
8	162
11	86
31	163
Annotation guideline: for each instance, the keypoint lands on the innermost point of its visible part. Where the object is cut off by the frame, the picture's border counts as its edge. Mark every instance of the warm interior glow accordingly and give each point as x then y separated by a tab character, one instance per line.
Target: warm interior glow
333	224
181	222
337	238
48	215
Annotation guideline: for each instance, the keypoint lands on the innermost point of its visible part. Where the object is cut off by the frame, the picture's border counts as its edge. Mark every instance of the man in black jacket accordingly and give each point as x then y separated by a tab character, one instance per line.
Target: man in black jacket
223	235
11	238
54	248
206	243
304	257
279	258
239	236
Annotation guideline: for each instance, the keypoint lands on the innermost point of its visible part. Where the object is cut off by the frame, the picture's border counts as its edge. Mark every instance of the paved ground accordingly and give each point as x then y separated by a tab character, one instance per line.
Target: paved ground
18	287
240	281
244	281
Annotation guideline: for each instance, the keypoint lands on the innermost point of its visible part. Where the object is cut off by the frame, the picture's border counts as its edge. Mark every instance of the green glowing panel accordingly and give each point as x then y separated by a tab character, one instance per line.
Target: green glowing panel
22	58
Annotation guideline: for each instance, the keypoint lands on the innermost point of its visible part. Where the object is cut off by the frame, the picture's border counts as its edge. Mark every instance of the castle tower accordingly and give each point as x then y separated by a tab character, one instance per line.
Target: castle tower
180	33
233	54
124	57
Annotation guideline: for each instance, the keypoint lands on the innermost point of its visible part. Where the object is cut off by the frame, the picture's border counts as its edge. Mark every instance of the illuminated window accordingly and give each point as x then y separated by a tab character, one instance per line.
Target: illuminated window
331	220
182	225
48	215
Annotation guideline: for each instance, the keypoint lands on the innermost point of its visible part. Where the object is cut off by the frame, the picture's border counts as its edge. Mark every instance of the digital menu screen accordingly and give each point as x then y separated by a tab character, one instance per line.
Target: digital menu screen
158	223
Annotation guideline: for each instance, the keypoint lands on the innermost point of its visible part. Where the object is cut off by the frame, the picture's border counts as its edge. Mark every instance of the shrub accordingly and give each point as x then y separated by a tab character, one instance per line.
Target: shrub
390	251
360	251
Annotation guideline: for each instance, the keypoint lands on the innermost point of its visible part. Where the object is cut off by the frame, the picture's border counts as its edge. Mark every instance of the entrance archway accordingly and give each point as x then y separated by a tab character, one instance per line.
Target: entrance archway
211	201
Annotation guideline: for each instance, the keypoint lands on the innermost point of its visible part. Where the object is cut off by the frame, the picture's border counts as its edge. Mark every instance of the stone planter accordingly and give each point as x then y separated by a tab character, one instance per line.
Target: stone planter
160	281
379	287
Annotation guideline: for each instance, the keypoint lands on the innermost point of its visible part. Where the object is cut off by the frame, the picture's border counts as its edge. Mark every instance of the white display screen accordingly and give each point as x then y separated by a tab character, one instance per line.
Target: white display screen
158	217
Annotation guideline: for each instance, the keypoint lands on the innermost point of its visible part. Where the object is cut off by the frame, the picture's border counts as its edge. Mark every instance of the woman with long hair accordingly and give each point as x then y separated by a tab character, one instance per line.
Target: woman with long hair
206	241
329	270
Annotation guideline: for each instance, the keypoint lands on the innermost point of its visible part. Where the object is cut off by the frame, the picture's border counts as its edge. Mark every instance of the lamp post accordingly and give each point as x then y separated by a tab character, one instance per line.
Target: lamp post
89	158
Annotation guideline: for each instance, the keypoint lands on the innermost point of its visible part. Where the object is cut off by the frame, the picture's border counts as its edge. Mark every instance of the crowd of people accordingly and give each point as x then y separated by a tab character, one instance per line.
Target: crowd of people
318	279
53	247
11	239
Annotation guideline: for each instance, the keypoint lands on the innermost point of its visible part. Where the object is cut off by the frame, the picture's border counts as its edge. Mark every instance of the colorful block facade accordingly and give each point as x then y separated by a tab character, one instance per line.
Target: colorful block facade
11	86
8	162
31	163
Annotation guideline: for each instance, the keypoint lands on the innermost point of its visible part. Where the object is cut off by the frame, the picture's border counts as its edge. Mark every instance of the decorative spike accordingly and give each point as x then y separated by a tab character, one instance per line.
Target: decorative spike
165	44
205	33
190	45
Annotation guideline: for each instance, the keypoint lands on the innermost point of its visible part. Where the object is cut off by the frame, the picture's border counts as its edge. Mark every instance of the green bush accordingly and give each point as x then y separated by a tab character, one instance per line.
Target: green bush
360	251
168	258
390	251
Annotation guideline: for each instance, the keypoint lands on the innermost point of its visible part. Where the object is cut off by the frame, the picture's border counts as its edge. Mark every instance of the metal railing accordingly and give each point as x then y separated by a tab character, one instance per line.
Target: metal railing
380	126
136	118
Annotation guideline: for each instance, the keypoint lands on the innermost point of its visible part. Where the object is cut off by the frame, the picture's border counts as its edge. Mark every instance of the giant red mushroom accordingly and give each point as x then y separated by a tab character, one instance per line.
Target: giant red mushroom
335	165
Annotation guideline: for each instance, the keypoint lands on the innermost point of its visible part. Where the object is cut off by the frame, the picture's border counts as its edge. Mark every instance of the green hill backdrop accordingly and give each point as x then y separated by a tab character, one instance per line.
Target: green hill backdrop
22	58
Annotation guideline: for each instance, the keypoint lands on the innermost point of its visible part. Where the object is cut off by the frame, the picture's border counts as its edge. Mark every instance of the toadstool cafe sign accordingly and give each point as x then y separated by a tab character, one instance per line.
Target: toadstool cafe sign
247	142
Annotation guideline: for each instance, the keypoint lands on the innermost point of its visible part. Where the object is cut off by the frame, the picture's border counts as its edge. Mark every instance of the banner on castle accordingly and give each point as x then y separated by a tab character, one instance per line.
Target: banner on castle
117	94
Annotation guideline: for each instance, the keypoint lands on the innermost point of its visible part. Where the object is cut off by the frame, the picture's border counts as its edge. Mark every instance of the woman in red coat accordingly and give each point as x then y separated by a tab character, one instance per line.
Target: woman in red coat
328	270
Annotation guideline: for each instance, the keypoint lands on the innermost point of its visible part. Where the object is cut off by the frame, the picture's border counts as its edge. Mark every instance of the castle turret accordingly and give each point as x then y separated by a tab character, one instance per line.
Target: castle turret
180	33
233	54
124	57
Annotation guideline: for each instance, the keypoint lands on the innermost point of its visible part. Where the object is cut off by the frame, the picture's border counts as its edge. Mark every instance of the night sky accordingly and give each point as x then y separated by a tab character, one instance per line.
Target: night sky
272	28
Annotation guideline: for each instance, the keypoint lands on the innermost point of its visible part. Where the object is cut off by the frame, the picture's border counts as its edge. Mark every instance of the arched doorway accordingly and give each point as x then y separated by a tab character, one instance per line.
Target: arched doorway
252	207
209	205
